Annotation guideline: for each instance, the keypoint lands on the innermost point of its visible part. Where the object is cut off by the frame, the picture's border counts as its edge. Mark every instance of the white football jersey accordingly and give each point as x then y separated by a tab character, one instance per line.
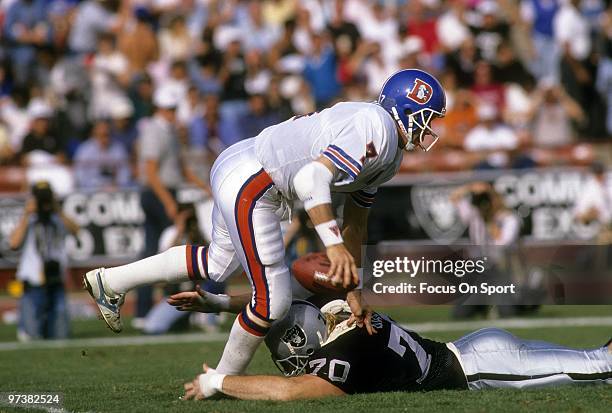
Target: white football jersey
359	138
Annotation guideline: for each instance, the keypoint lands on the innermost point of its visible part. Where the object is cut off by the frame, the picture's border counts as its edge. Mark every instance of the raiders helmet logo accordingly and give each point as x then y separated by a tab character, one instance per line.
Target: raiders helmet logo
421	92
295	337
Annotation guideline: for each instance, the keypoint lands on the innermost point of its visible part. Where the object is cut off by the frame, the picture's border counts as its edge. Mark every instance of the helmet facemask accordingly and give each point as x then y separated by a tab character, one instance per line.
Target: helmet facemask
418	132
293	365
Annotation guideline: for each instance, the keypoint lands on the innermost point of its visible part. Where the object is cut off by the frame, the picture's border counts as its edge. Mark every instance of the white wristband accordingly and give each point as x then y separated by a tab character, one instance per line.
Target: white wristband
329	232
211	382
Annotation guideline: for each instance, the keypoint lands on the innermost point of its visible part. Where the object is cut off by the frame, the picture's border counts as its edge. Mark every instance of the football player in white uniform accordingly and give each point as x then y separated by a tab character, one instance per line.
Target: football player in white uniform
351	148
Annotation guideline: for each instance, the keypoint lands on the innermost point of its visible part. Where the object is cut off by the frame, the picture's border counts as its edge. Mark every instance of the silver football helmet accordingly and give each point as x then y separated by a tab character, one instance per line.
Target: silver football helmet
293	339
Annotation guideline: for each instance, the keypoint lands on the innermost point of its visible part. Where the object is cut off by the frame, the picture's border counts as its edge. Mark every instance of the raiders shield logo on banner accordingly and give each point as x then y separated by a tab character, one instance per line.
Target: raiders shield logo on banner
421	92
436	213
294	336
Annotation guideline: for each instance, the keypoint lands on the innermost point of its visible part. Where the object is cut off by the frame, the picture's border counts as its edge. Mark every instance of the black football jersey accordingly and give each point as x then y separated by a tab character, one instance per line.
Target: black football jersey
393	359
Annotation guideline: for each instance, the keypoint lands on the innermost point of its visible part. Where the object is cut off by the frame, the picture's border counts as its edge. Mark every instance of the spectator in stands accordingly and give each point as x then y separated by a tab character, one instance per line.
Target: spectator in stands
422	23
71	84
376	69
460	119
175	41
190	107
232	76
463	62
410	54
451	27
211	131
258	74
26	28
278	103
491	30
508	68
376	23
552	112
277	12
141	95
320	71
486	88
490	134
100	162
284	46
339	27
14	113
109	76
123	129
540	14
573	36
604	73
138	43
41	234
257	33
258	117
161	173
91	18
41	136
203	73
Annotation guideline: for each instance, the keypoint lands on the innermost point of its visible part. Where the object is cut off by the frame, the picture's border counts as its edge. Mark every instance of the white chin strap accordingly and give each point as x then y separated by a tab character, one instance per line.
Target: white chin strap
408	135
423	126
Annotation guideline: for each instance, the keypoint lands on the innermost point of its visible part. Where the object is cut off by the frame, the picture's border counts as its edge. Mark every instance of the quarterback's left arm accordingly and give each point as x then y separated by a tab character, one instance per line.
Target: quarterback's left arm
260	387
355	234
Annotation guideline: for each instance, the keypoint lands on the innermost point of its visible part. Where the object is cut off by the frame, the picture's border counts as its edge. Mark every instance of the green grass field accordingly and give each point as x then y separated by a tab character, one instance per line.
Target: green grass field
150	377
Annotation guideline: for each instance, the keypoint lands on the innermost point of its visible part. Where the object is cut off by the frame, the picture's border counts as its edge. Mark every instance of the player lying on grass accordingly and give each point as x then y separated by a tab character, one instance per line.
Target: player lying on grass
323	354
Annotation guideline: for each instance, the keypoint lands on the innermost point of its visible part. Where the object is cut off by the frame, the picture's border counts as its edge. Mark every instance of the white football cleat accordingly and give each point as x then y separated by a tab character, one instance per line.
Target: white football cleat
108	303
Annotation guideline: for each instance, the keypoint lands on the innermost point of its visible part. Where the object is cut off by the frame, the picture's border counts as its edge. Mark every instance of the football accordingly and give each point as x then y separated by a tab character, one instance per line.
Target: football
311	272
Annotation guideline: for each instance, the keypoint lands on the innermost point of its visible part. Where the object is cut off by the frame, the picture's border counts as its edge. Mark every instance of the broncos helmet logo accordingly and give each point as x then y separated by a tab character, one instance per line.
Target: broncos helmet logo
294	336
421	92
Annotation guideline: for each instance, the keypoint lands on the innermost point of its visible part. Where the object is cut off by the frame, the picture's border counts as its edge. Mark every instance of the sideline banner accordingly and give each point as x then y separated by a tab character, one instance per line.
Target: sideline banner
111	225
410	207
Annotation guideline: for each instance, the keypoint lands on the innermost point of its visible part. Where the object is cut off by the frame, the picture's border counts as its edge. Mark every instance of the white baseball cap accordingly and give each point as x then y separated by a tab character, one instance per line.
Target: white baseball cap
166	97
121	108
39	109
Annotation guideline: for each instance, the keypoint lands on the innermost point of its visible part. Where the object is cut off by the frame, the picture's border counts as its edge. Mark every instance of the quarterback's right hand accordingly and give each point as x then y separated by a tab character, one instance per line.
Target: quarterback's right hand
199	300
342	269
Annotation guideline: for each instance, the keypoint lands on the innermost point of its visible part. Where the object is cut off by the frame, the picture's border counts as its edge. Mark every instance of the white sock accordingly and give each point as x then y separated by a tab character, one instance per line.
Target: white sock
169	266
238	350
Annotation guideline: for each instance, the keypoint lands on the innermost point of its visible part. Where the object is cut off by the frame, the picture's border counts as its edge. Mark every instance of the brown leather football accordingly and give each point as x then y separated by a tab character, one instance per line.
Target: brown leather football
311	272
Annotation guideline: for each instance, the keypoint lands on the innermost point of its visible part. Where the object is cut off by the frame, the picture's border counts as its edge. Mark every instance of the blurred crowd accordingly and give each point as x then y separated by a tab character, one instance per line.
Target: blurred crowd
78	79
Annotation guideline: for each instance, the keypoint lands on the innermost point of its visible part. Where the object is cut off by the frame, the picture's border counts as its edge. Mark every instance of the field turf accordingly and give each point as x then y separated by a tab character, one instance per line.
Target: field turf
149	378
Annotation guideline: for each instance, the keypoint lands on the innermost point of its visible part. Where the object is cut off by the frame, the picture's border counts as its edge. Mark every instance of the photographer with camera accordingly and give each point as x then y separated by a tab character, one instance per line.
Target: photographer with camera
41	233
493	231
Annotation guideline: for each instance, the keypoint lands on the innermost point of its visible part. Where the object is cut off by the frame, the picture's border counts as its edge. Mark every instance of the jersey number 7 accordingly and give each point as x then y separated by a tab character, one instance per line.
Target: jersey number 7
400	340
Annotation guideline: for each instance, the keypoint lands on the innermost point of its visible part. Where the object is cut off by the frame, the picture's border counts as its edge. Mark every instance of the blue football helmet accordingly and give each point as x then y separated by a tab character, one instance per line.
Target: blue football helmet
414	98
